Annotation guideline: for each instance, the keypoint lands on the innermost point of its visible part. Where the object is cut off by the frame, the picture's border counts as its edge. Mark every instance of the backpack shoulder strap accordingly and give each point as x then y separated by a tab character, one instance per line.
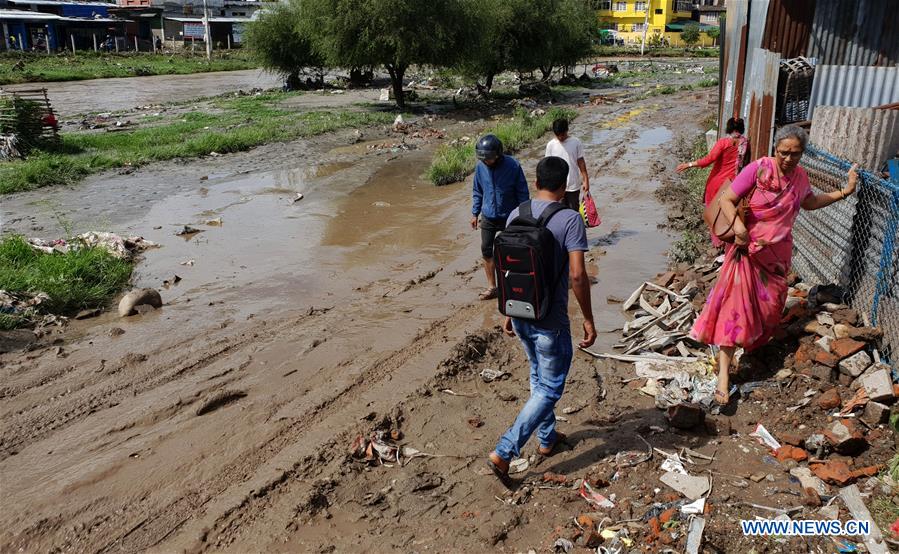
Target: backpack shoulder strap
526	213
549	212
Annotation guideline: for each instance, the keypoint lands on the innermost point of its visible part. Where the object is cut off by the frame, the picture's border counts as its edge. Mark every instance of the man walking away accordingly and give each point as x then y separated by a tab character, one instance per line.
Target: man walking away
547	341
571	150
499	186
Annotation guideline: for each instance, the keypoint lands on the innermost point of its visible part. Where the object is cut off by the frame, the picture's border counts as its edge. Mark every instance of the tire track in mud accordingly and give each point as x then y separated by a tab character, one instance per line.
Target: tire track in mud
163	522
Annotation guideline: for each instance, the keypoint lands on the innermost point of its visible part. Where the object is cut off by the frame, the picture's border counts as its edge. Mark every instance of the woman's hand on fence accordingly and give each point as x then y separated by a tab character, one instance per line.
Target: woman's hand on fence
853	181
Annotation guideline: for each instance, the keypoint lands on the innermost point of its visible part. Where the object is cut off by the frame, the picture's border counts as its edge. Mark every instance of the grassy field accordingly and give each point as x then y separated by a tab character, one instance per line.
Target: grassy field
231	125
80	279
452	163
685	196
36	67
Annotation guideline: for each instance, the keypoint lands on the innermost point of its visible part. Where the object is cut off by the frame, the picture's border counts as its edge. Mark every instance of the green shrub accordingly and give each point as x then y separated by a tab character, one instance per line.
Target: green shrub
79	279
453	163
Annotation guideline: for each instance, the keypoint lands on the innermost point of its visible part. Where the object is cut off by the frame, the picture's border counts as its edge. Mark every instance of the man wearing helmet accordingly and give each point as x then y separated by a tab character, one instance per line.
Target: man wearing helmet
499	187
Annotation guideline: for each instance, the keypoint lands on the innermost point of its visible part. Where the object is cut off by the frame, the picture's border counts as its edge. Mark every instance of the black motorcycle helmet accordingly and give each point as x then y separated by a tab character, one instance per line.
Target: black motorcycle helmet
488	148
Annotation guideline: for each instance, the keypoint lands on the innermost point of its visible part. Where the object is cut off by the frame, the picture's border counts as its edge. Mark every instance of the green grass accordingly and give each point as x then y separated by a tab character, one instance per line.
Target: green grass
238	124
685	197
705	83
453	163
80	279
91	65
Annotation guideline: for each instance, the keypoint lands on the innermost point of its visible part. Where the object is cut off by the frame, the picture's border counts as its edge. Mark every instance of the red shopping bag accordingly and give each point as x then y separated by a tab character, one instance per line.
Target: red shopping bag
588	211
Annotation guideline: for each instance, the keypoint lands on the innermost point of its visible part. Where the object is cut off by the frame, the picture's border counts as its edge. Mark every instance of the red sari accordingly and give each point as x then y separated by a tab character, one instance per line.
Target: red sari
745	305
727	155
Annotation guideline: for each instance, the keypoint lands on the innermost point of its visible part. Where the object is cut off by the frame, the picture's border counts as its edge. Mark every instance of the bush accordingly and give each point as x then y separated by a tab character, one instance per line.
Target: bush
453	163
79	279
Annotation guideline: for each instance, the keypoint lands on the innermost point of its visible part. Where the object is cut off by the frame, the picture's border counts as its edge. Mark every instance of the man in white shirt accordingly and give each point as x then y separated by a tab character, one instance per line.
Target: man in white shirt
571	150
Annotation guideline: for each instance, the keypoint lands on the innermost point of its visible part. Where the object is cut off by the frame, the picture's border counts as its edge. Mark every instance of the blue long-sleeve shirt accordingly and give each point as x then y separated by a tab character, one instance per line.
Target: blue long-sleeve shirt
498	190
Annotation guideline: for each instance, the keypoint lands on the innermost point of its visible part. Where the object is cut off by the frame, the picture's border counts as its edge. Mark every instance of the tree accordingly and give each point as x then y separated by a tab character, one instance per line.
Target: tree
526	35
713	34
282	41
690	34
392	33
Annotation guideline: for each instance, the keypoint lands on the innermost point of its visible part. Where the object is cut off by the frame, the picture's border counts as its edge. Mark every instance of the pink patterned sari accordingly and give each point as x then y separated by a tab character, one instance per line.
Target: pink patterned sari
745	305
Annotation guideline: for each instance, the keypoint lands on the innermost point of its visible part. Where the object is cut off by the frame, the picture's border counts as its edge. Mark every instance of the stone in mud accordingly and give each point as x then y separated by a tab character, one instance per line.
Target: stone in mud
876	413
867	334
845	437
843	348
878	385
856	364
811	498
139	297
829	399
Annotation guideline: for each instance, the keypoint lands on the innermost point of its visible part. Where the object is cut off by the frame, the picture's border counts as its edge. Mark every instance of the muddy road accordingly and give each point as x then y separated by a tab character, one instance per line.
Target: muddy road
223	421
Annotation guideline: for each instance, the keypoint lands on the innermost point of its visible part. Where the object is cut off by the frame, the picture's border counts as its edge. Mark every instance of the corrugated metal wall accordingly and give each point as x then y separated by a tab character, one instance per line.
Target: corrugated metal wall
761	93
734	60
853	86
788	26
858	32
867	136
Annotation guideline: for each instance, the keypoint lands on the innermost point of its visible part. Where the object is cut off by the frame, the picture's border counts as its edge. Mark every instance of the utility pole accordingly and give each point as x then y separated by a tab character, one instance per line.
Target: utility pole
645	25
206	30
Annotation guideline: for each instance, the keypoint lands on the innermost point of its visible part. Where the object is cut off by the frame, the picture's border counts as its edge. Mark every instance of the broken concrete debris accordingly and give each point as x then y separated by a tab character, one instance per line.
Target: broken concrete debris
130	303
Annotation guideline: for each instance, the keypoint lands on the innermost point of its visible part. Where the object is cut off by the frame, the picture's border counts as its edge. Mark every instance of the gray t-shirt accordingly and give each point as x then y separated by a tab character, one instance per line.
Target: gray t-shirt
568	228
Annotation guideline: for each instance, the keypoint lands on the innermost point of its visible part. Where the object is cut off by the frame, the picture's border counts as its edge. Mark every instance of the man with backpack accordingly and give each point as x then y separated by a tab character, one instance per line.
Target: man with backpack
499	186
542	247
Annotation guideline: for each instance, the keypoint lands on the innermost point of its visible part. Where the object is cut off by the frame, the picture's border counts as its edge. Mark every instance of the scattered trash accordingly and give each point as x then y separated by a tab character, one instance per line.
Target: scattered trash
489	375
188	263
120	247
299	197
694	535
187	232
563	545
674	463
630	458
764	437
217	222
519	465
593	497
693	508
690	486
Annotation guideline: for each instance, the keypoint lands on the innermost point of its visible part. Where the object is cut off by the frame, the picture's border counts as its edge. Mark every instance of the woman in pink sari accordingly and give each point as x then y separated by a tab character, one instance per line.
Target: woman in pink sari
745	305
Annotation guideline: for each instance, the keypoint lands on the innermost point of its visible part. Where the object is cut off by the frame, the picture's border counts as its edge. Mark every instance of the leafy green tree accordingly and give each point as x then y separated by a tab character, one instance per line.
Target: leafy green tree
391	33
690	34
526	35
713	34
283	41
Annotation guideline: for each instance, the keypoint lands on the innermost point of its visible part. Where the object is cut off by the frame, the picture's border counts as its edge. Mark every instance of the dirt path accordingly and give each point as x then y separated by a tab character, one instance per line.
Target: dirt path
223	421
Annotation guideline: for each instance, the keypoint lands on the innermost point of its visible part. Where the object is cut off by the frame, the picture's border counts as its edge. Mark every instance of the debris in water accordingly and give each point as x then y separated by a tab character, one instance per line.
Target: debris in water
298	197
187	232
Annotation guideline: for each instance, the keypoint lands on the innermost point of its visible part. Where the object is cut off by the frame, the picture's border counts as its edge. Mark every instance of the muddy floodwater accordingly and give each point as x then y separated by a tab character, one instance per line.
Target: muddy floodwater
109	95
222	421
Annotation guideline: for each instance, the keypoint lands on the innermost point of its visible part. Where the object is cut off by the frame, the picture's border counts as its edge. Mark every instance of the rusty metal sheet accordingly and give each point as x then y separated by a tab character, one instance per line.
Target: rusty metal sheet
854	86
861	32
788	27
733	61
759	106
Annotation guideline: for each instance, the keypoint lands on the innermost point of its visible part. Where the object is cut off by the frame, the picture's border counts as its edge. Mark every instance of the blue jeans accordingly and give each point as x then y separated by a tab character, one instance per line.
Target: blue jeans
549	351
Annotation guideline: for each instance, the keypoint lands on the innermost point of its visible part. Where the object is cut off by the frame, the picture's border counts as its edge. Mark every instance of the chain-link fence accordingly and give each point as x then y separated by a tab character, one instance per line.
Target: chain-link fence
853	244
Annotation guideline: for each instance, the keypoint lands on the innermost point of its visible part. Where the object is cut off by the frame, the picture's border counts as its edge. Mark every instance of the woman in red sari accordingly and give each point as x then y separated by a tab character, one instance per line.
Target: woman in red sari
729	156
745	305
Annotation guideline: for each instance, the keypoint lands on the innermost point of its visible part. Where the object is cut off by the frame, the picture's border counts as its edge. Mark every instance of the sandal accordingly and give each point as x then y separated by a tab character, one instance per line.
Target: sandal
488	294
549	451
721	398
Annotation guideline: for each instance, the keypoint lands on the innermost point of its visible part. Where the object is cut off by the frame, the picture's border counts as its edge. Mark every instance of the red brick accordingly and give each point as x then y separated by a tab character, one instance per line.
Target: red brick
843	348
550	477
869	471
829	399
787	452
825	358
834	472
666	516
810	497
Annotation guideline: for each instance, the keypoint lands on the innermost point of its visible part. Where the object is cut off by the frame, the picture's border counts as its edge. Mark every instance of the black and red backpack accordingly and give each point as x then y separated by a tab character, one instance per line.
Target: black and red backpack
527	268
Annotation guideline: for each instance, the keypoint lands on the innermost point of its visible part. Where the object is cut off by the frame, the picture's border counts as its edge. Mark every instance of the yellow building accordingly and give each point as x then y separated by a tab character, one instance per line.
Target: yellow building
663	19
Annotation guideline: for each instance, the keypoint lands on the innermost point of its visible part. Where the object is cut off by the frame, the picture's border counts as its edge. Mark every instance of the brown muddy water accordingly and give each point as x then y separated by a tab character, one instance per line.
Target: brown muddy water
217	422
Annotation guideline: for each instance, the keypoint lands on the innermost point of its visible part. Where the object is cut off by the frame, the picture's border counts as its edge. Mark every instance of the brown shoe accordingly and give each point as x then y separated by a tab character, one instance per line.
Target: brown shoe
550	450
500	468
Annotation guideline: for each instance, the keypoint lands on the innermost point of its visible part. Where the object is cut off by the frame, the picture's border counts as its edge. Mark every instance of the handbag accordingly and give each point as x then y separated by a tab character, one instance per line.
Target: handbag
589	212
716	219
